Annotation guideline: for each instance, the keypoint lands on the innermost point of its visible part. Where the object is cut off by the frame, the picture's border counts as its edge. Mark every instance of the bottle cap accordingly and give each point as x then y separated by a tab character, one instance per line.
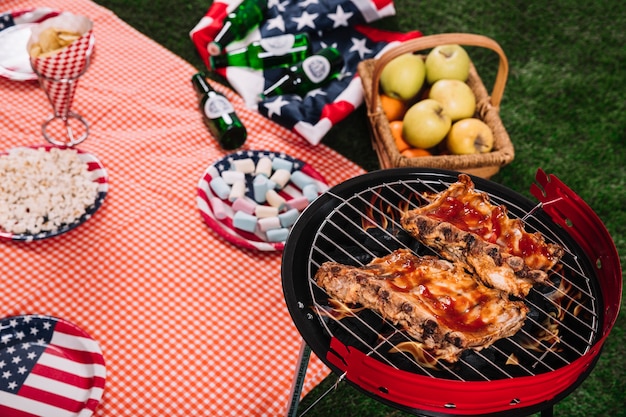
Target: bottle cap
225	36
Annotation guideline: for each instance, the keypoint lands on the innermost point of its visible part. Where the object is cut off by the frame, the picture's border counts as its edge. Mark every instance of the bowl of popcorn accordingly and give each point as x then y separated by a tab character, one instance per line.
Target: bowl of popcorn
46	191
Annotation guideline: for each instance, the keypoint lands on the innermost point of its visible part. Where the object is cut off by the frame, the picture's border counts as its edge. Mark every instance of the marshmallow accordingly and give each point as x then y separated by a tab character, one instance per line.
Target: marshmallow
245	166
274	199
281	177
268	223
237	190
280	163
298	203
259	186
244	221
219	187
265	211
245	205
310	192
277	235
300	179
288	218
264	167
231	177
219	208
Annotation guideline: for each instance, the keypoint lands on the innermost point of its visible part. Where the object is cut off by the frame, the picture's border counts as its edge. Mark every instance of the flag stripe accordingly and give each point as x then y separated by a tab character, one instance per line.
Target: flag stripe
27	405
67	335
42	371
78	356
64	389
58	362
47	397
7	411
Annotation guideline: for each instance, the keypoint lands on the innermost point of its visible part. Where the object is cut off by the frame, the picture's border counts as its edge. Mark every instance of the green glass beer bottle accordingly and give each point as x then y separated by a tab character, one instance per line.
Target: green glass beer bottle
274	51
219	115
238	24
311	73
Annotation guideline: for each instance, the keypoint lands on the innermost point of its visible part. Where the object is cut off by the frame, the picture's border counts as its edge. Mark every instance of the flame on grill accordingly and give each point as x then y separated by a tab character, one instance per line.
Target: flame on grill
564	299
338	310
379	214
419	353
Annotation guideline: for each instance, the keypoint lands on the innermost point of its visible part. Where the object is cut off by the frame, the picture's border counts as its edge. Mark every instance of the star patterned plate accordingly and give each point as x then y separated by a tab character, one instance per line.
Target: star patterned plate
206	198
48	367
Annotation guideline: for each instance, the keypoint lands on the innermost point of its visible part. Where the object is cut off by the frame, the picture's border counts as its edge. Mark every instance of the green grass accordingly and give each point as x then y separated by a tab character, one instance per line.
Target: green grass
564	108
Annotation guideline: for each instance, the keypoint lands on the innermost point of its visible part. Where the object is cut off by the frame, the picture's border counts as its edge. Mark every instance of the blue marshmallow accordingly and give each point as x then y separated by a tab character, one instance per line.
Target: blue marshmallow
310	192
277	235
280	163
301	180
288	218
259	187
244	221
220	188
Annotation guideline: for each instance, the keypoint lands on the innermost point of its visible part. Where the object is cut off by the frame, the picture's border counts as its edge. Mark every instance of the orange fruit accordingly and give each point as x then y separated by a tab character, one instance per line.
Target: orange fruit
415	153
396	132
393	108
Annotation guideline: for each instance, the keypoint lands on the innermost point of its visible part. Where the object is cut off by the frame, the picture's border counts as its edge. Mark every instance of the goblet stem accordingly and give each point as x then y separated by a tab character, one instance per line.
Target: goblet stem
58	129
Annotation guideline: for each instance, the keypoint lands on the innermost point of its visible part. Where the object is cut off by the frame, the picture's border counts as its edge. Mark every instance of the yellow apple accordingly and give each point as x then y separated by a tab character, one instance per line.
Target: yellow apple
456	97
425	124
469	136
403	76
447	62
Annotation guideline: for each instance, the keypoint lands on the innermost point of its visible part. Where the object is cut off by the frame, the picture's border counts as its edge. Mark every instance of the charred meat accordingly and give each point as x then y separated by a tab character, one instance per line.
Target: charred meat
462	225
435	301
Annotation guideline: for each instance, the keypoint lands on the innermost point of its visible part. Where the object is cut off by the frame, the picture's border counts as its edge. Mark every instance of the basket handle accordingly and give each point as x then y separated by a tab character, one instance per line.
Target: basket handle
426	42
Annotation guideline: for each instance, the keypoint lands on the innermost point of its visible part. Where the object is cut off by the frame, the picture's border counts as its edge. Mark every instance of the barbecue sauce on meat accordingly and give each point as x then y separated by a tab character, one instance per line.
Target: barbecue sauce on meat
435	301
460	310
472	212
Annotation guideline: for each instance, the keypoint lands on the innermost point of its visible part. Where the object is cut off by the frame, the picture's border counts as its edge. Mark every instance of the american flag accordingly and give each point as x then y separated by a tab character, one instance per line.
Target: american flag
342	24
48	367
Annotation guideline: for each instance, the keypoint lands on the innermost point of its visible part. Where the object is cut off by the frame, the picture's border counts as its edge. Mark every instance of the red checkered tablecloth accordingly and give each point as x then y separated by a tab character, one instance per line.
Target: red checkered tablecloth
188	323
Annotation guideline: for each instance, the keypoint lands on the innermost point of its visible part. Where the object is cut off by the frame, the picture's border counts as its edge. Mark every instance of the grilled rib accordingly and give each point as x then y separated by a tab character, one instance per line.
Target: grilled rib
462	225
435	301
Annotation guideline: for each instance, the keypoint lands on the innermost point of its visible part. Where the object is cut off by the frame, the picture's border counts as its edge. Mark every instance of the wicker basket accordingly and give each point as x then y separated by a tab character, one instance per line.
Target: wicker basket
487	109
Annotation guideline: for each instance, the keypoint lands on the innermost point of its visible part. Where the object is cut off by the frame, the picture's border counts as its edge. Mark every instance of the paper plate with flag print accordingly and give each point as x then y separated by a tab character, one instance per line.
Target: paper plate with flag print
48	367
15	30
269	220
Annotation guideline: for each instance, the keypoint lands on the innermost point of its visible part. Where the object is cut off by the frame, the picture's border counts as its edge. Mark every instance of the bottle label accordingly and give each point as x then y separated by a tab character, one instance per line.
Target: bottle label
316	68
216	106
278	45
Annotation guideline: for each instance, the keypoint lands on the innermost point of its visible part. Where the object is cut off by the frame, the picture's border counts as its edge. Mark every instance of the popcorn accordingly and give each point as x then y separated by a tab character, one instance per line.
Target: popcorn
42	190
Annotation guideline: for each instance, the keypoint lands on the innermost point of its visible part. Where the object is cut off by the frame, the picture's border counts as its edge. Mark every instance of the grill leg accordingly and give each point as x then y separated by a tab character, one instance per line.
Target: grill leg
298	380
547	412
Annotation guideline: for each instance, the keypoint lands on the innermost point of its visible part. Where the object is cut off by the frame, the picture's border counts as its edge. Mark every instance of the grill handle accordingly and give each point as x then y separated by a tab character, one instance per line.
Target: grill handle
571	212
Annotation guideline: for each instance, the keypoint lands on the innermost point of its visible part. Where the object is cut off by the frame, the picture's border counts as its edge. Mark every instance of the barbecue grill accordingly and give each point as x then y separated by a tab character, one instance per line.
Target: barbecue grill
570	317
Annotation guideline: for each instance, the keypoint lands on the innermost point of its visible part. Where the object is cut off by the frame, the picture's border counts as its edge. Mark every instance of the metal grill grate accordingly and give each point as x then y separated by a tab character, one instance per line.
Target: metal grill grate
561	327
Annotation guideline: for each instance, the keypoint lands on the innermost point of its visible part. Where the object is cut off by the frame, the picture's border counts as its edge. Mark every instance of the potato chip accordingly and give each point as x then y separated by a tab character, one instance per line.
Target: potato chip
51	41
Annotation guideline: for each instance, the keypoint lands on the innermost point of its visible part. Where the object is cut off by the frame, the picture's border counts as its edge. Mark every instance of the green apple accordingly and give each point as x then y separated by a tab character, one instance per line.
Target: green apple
403	76
447	62
469	136
456	97
425	124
